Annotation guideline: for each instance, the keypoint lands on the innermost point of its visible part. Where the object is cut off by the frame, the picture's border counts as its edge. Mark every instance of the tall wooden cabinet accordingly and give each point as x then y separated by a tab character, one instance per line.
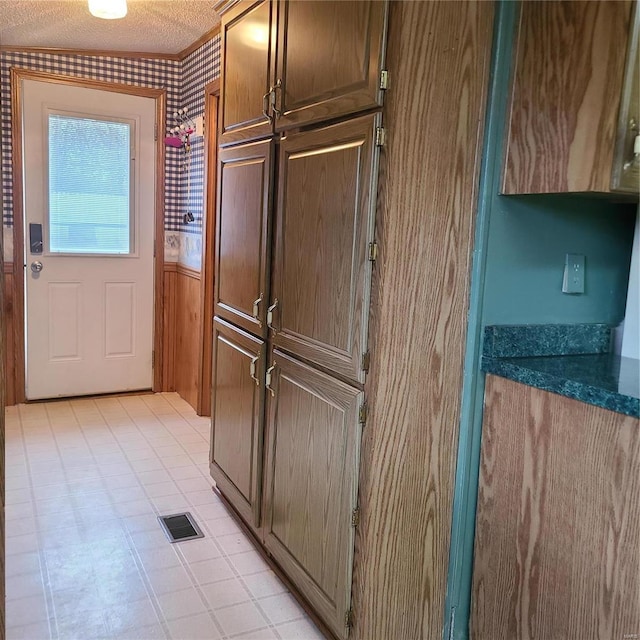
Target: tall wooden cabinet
300	134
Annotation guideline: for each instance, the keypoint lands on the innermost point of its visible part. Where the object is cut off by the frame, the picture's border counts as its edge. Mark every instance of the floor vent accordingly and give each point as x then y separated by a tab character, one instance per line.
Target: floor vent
180	527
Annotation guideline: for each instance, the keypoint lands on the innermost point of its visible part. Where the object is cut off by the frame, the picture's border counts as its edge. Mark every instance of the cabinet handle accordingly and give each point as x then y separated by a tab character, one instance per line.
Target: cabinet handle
256	310
270	311
265	104
268	378
252	370
278	85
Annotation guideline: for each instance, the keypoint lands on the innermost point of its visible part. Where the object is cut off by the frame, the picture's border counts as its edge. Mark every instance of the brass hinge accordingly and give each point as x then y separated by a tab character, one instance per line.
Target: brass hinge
384	79
366	361
153	359
355	517
155	131
348	619
381	136
363	412
373	251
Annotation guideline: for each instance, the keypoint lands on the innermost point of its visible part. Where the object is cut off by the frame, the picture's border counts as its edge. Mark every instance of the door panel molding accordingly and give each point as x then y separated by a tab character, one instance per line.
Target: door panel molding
159	95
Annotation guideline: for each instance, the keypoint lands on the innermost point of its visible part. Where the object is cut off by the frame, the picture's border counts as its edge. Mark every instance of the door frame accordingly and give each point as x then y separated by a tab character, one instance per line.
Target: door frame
211	111
159	95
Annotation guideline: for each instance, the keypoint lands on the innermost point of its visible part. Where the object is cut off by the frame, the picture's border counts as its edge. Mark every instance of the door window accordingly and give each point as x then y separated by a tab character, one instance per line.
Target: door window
90	185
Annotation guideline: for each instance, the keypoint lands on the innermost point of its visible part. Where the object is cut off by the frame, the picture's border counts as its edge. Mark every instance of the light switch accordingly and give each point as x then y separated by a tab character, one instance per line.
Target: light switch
573	280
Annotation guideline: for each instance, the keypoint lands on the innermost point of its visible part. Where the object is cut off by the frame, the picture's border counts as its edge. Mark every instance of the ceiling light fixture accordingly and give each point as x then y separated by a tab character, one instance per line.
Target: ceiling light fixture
108	9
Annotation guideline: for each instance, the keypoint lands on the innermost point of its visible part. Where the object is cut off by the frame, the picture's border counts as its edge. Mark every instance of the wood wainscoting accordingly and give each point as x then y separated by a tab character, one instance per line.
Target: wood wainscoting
8	313
182	320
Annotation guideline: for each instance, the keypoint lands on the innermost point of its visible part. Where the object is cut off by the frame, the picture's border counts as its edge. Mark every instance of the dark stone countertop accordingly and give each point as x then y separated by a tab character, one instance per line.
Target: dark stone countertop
569	360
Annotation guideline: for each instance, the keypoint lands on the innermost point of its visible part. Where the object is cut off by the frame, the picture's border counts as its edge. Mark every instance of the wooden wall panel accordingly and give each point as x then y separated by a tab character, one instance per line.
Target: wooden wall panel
434	111
9	331
557	552
568	78
188	337
169	320
3	378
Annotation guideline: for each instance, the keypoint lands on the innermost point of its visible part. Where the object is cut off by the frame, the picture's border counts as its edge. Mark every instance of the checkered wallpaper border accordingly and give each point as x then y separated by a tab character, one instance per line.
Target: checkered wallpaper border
184	82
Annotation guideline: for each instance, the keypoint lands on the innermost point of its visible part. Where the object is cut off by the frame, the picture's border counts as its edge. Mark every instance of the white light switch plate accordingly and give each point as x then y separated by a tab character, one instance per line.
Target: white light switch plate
573	280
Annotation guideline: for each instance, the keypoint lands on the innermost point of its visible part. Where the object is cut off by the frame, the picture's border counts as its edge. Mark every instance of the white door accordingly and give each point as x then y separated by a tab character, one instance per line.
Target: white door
89	185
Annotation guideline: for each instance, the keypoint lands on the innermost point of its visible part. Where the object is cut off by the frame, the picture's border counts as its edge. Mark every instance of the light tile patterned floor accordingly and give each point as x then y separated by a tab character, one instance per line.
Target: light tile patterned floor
85	555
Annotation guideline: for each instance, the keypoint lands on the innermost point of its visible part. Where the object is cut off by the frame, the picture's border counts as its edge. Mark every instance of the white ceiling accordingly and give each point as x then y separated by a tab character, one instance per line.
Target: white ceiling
154	26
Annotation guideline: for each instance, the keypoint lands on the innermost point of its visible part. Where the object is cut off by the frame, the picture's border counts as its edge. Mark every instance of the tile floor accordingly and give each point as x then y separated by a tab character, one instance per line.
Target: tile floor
85	554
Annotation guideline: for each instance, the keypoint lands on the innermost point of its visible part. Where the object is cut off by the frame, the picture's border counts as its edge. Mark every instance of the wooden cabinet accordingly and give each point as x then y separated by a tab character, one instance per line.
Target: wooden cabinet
330	54
556	548
568	79
311	483
242	235
321	274
329	61
237	417
247	71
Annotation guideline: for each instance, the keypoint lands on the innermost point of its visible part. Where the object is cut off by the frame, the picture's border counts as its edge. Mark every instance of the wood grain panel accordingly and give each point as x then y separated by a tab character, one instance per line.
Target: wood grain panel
9	337
568	79
212	98
237	420
3	384
338	76
243	235
187	334
321	274
311	483
557	553
434	112
246	72
169	289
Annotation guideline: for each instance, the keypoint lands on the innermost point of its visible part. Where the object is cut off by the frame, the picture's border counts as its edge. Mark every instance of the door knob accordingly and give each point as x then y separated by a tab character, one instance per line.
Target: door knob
37	266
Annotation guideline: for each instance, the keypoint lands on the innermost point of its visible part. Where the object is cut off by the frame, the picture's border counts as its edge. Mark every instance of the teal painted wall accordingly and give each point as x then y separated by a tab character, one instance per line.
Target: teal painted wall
518	262
528	239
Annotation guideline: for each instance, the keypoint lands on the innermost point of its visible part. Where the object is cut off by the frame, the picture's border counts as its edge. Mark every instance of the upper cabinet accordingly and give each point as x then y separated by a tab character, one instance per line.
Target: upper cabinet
329	58
568	97
247	70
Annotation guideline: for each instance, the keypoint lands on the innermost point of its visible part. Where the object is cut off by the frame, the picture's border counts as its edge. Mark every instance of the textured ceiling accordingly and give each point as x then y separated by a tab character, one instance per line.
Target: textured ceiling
155	26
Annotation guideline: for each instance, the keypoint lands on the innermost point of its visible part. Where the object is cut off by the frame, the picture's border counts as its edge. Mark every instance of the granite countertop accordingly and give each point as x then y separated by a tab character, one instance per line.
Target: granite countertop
570	360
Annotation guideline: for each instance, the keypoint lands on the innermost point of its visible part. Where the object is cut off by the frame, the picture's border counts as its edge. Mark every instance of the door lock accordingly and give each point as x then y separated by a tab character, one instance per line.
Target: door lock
37	266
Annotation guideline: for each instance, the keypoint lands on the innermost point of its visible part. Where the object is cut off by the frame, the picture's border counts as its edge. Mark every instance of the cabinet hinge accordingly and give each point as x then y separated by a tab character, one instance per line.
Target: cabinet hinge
384	79
366	361
373	251
363	412
355	517
381	136
348	619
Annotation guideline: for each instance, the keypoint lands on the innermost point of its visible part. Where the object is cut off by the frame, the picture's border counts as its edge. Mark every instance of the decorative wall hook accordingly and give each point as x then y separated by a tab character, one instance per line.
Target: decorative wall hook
180	138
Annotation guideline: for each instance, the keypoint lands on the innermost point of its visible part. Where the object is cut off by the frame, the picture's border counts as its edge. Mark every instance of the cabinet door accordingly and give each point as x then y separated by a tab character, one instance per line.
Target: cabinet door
237	417
330	54
321	274
247	71
242	234
311	479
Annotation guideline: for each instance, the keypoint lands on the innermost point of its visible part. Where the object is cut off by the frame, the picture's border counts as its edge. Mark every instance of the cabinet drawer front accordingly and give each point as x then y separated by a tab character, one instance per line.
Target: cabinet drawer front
247	70
321	274
242	235
340	74
311	483
237	417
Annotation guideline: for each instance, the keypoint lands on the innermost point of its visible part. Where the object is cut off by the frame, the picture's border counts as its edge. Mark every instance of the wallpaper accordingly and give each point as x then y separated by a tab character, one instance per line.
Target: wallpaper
184	82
